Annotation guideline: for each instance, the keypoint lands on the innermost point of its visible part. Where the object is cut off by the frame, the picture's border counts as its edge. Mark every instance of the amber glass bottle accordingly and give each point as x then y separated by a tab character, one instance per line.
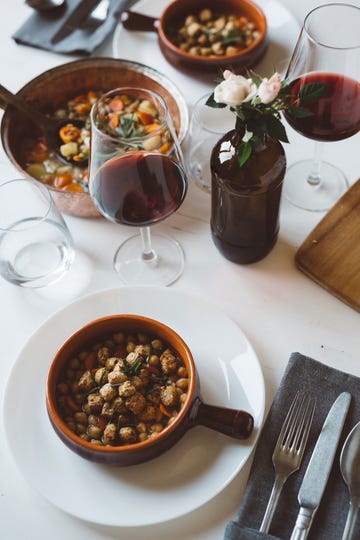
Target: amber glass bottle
245	199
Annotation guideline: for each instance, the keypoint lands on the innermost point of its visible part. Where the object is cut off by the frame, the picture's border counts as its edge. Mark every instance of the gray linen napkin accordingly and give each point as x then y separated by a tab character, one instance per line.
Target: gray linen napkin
39	28
302	373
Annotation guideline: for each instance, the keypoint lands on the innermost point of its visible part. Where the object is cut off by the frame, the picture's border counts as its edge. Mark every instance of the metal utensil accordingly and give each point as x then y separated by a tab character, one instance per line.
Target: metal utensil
45	5
350	470
97	16
318	471
289	449
74	20
49	126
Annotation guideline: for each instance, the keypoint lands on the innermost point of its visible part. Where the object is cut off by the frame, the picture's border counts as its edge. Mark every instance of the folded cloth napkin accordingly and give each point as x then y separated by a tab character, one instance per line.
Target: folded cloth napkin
325	383
40	27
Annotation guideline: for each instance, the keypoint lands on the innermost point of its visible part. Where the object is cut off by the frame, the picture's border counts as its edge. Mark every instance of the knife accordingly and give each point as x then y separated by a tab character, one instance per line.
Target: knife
74	20
318	471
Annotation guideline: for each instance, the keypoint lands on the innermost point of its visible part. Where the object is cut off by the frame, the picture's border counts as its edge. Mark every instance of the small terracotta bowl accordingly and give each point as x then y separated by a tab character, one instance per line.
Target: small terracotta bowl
51	89
177	11
235	423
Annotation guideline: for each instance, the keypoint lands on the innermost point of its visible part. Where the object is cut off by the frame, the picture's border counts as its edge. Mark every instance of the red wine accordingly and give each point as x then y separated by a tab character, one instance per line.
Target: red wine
336	114
139	189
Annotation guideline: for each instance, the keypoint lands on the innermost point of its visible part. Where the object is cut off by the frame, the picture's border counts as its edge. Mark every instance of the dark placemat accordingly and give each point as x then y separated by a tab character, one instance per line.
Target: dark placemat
305	374
39	28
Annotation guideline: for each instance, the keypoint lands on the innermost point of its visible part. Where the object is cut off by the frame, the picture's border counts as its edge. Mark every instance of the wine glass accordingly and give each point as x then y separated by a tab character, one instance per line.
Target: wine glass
327	52
137	178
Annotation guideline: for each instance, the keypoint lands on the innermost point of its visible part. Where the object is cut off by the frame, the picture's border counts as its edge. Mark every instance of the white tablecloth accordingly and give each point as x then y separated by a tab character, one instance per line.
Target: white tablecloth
278	308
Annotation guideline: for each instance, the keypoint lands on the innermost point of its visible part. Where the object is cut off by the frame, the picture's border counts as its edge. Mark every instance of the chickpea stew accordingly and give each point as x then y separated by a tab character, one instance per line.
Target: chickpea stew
213	34
122	390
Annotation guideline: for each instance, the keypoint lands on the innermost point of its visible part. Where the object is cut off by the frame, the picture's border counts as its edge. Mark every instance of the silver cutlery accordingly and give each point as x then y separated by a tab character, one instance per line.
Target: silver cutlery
289	449
76	18
318	471
98	15
350	470
45	5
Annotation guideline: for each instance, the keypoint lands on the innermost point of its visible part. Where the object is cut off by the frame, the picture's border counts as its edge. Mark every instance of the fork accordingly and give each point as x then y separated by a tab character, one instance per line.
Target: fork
289	449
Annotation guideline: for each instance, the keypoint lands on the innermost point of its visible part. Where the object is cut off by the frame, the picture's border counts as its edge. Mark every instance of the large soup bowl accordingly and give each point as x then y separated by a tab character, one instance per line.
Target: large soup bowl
234	423
51	90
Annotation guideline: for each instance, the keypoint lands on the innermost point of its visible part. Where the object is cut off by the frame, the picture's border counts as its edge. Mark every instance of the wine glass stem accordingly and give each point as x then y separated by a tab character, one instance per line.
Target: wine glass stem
148	255
314	177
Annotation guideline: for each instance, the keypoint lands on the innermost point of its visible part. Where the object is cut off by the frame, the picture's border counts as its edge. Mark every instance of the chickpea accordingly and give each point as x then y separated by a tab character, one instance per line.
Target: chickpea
101	375
182	371
156	428
103	353
119	338
154	360
182	383
62	388
130	347
110	362
80	429
94	432
116	377
157	344
74	363
126	389
205	15
81	418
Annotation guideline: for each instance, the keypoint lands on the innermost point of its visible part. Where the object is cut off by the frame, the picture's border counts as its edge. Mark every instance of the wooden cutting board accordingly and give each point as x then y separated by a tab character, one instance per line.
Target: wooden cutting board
330	255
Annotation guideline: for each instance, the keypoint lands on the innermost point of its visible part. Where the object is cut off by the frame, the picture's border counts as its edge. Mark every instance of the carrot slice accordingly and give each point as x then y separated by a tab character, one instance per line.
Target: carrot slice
165	410
164	147
72	404
145	117
152	127
73	187
116	105
69	133
62	180
113	120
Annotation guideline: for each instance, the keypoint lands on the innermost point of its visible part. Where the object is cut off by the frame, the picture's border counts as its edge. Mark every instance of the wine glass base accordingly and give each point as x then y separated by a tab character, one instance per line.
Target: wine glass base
163	269
315	198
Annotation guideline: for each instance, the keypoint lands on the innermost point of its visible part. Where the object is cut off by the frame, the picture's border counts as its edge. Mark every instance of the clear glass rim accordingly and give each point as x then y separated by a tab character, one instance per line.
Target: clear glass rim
129	90
318	42
41	187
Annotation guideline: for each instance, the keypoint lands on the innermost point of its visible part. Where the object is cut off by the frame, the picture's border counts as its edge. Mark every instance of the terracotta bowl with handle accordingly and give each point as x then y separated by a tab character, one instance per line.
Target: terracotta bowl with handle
174	15
234	423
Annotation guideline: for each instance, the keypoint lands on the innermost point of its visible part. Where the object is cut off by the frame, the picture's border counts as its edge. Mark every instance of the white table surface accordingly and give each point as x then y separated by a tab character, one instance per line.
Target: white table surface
278	308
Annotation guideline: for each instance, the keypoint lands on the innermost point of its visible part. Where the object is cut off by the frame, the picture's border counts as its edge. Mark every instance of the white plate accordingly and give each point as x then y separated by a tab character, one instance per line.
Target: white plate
193	471
283	30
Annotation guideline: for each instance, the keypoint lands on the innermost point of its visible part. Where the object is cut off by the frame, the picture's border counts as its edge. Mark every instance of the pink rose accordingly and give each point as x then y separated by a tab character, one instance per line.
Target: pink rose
269	88
234	90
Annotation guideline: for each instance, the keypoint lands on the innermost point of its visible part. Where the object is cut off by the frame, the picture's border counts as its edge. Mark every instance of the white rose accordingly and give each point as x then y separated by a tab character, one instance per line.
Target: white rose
269	88
234	90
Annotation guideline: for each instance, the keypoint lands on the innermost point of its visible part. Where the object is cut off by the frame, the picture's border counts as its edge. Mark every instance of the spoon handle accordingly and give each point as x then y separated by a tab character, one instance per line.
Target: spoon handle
6	98
132	20
350	520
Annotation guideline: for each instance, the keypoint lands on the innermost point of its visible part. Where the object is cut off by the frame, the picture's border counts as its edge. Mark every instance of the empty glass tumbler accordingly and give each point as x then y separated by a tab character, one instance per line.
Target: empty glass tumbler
36	247
207	126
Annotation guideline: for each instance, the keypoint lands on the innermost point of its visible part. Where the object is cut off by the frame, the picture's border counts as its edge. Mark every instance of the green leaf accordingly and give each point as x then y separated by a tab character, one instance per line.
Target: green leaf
300	112
275	129
212	103
244	152
311	92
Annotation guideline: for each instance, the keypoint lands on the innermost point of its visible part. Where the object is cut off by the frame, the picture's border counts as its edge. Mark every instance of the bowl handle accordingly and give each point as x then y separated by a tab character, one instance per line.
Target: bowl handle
235	423
131	20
